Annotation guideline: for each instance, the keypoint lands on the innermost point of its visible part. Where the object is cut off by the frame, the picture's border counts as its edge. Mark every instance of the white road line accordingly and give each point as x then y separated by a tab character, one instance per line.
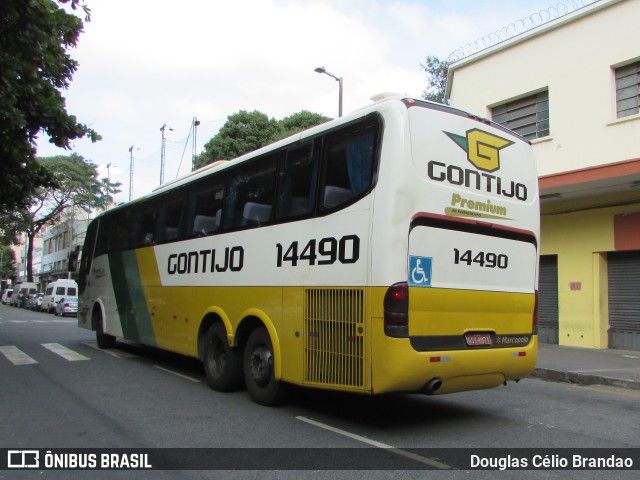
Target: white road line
113	353
64	352
186	377
16	356
374	443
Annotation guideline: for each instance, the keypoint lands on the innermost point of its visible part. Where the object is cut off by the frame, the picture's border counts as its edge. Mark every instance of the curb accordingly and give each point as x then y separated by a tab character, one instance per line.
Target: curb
583	378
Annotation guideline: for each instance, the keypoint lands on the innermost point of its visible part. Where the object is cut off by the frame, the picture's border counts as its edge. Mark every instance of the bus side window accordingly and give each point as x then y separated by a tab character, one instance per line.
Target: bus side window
145	226
170	220
297	184
207	211
348	168
251	194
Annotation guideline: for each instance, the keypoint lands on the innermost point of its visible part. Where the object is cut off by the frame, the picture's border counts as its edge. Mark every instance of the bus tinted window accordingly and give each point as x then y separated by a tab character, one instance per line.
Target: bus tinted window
297	185
170	221
145	225
251	194
349	166
207	203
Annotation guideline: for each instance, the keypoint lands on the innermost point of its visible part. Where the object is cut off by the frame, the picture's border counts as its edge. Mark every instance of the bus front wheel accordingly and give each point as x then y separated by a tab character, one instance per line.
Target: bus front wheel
103	340
259	371
222	364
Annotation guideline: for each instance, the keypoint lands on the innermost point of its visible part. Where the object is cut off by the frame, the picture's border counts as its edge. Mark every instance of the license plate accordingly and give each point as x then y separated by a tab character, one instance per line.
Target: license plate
478	339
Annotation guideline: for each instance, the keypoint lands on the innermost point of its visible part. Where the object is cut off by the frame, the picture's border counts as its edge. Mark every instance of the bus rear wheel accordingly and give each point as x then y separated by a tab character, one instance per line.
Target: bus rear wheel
259	373
222	363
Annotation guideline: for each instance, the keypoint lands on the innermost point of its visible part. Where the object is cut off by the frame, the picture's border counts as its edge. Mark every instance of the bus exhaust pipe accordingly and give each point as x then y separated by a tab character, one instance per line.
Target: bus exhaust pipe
432	386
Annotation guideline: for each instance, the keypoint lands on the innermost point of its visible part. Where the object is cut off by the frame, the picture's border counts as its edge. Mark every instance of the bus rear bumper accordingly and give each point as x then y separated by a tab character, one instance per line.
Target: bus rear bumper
397	367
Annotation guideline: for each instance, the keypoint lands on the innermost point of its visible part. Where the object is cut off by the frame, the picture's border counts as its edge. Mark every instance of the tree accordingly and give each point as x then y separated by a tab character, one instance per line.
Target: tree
437	70
8	264
104	192
34	68
242	132
301	121
77	184
247	131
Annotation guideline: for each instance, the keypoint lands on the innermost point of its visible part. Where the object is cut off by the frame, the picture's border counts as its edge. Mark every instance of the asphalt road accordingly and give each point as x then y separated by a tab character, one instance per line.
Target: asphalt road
57	390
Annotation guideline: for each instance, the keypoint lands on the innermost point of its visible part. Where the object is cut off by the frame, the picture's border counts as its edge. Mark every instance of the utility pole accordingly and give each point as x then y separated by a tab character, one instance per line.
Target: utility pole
106	207
194	145
162	151
131	172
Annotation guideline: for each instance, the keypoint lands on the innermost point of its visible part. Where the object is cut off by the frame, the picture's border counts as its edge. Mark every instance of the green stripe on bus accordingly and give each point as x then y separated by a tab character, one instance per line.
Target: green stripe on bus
132	304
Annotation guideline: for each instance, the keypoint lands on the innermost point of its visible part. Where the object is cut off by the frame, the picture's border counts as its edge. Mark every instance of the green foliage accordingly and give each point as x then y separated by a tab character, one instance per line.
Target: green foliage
247	131
437	70
300	121
34	68
8	265
103	193
76	184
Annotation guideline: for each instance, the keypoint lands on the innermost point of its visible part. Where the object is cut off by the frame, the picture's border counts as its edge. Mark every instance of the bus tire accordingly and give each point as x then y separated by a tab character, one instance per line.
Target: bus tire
103	340
222	363
259	374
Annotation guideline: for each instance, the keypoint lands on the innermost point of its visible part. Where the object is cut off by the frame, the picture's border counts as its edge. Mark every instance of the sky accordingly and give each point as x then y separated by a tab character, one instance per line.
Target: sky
148	63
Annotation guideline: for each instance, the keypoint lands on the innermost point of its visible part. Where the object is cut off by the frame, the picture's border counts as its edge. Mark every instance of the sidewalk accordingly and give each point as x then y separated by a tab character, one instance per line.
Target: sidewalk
589	366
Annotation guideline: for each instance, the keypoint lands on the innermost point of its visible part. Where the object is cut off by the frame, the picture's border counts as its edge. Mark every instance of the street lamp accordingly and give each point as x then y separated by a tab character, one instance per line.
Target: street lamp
339	80
162	151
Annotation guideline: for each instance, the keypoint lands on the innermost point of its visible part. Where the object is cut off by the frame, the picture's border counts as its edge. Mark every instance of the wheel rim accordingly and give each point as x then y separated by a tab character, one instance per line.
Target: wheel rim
216	358
260	365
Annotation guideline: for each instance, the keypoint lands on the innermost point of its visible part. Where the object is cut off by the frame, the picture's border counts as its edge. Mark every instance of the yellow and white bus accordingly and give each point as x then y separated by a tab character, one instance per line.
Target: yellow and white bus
392	250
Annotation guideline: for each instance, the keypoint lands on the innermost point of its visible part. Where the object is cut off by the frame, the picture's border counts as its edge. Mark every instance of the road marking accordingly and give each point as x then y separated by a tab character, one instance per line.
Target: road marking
610	392
374	443
64	352
186	377
113	353
16	356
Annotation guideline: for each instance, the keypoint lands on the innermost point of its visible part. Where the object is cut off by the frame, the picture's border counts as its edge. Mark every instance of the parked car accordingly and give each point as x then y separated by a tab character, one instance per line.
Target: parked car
29	300
6	296
36	301
67	306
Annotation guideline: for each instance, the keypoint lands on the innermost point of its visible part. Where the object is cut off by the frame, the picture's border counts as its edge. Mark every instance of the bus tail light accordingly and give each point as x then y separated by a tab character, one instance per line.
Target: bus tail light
396	310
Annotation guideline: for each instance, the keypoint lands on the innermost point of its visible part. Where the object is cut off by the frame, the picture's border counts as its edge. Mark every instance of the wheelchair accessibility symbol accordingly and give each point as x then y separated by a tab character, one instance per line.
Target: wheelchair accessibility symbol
420	271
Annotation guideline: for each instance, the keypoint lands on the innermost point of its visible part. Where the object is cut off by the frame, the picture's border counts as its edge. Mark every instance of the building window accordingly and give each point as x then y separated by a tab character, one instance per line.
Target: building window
628	90
528	116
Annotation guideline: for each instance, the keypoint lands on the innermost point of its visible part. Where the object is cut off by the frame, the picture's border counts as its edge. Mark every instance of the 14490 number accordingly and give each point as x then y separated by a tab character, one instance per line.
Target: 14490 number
483	259
325	251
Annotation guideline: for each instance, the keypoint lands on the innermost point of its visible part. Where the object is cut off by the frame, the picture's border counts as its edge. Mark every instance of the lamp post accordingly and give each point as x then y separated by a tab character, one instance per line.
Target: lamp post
162	151
340	84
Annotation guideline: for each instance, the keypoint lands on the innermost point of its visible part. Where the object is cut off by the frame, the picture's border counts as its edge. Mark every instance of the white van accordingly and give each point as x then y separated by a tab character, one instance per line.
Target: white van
55	291
21	293
6	296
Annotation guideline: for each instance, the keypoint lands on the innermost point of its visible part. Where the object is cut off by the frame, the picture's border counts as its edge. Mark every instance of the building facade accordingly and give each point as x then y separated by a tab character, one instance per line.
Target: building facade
572	87
57	243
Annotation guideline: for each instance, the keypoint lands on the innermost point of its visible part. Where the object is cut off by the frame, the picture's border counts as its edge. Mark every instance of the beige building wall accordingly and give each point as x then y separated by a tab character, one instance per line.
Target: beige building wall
574	58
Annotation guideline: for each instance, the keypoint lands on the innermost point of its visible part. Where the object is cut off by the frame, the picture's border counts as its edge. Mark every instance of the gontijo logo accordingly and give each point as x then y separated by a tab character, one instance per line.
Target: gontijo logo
483	152
483	149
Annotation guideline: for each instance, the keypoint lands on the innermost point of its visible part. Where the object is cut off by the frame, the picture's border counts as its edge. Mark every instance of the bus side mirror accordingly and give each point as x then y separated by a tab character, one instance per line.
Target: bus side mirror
73	259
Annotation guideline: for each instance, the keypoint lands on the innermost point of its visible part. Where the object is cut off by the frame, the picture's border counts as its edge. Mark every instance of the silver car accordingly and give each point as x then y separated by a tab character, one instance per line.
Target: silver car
67	306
